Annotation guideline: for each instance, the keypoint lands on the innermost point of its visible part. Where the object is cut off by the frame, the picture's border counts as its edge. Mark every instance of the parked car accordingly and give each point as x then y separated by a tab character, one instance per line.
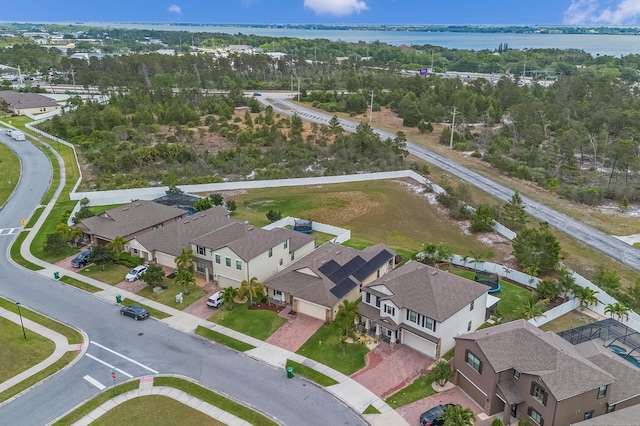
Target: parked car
215	300
257	94
135	273
136	312
434	416
81	260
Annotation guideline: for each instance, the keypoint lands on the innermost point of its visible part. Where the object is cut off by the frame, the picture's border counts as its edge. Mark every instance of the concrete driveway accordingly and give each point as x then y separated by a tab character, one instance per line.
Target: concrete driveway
297	330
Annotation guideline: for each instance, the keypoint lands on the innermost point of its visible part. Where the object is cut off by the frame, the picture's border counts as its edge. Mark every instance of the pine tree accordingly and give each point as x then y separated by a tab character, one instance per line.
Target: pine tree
513	213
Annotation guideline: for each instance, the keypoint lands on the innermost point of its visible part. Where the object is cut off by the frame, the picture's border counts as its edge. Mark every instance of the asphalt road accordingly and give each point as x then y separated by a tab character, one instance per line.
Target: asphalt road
135	348
584	233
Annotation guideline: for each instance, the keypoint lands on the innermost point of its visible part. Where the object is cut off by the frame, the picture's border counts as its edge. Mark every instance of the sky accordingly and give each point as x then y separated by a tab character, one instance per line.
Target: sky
467	12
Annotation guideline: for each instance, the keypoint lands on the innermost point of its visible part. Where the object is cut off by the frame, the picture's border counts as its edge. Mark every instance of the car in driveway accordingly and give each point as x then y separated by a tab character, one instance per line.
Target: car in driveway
215	300
136	312
81	260
135	273
434	416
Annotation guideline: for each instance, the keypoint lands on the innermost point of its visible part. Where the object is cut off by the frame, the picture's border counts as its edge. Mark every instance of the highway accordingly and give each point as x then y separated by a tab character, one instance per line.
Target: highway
584	233
135	348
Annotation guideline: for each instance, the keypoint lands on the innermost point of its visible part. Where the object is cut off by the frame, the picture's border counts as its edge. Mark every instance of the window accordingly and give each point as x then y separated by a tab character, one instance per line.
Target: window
611	408
286	243
201	250
377	302
412	316
277	295
473	361
602	391
280	262
200	267
238	265
135	251
537	417
469	326
429	323
227	261
378	274
539	393
588	414
516	374
367	297
292	256
471	306
218	259
270	252
389	309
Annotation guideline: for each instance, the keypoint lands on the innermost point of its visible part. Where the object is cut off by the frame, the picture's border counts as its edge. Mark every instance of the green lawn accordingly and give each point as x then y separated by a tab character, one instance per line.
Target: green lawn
18	354
17	257
168	296
511	297
324	346
568	321
10	172
223	339
80	284
112	274
420	388
255	323
48	227
371	410
153	312
34	217
311	374
154	410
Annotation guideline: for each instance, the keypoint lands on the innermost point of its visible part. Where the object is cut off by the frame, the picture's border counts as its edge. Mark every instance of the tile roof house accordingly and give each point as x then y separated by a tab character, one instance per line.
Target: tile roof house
521	371
422	307
226	250
318	283
129	221
27	103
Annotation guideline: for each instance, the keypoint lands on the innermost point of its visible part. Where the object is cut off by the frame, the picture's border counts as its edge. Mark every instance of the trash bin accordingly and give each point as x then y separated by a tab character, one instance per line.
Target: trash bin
118	298
290	372
56	275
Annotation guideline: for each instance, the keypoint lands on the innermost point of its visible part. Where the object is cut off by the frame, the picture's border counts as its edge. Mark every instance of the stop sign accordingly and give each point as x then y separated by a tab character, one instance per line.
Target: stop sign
113	374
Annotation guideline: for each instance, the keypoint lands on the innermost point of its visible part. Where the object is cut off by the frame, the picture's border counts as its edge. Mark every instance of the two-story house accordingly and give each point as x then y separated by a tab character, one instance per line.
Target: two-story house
317	284
523	372
422	307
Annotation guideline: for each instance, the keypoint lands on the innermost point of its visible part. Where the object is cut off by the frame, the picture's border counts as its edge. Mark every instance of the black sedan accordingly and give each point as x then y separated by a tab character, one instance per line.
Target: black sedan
136	312
434	416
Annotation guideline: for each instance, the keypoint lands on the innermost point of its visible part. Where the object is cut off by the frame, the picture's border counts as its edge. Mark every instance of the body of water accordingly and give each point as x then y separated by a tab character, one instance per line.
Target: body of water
595	44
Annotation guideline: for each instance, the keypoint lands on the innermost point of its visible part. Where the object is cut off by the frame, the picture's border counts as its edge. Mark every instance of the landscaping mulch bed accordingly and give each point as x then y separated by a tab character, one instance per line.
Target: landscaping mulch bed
266	307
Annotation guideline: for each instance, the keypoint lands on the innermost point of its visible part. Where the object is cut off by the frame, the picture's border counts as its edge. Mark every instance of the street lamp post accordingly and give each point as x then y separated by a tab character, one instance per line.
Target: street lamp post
21	323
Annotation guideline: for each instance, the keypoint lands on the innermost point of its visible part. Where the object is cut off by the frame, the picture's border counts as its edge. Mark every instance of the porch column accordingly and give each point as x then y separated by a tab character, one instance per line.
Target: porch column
394	337
378	332
367	325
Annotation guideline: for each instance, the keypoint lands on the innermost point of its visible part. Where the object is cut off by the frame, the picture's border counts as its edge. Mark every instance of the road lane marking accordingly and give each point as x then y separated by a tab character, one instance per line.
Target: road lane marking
9	231
109	365
124	357
94	382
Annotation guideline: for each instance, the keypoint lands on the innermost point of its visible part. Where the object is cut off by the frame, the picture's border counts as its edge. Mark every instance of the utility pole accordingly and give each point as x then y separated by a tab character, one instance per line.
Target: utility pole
298	88
373	95
73	77
453	125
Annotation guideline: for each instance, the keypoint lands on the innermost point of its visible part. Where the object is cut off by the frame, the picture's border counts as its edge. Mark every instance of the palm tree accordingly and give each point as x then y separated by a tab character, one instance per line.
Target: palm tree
458	416
348	312
586	296
251	288
117	244
617	310
185	278
533	308
184	261
441	372
228	294
566	282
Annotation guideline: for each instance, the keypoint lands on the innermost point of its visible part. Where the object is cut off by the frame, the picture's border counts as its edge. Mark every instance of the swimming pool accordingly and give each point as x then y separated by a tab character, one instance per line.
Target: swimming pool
617	349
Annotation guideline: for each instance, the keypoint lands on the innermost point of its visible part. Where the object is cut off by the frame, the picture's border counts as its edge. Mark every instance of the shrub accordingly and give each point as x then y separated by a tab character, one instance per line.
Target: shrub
125	258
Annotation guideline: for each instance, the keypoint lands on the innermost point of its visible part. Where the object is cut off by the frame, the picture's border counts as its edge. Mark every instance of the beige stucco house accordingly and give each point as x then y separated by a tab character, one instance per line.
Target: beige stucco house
27	103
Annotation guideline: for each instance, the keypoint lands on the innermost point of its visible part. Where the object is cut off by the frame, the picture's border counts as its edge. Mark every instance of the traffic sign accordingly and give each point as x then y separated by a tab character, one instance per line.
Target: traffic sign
24	222
113	375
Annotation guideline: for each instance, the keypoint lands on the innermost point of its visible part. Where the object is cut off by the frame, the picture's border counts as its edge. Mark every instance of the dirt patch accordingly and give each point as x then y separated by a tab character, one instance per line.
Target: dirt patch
266	307
354	204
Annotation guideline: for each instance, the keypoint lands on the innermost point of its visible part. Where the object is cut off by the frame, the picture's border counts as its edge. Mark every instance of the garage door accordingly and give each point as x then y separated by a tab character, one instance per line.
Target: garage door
224	282
312	310
418	343
471	389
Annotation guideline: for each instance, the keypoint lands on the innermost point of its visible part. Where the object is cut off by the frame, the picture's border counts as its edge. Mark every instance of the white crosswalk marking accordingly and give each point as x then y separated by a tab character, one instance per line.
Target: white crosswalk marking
94	382
9	231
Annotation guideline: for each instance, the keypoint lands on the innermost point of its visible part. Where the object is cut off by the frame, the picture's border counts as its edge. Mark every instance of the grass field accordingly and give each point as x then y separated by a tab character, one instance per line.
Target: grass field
255	323
80	284
568	321
311	374
18	354
420	388
112	273
48	227
154	410
223	339
10	172
168	296
512	297
17	257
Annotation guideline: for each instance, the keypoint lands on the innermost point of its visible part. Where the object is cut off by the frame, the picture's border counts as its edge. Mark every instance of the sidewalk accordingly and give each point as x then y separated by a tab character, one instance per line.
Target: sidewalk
347	390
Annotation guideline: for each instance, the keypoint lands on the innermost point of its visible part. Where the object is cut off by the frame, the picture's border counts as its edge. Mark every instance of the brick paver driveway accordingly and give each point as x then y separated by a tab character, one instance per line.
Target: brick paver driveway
411	413
199	308
295	331
389	370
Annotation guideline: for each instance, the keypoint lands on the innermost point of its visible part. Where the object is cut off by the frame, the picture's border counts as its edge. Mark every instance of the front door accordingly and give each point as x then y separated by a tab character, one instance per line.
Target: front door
514	410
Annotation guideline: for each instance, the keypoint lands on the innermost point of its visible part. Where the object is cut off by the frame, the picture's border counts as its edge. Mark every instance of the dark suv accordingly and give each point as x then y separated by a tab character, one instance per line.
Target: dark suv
81	260
434	416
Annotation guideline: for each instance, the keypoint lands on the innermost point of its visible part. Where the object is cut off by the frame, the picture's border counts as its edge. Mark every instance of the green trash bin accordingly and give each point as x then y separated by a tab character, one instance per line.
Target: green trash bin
290	372
118	298
56	275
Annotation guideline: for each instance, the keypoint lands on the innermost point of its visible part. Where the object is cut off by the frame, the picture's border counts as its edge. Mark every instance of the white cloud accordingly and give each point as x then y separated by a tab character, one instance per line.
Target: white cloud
336	7
622	12
174	8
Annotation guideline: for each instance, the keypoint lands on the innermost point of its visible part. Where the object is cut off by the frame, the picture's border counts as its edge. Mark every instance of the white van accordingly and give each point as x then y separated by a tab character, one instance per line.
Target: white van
215	300
18	135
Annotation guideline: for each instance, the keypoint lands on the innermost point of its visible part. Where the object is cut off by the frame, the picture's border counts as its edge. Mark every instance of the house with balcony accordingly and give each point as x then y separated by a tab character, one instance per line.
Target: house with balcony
422	307
317	284
515	370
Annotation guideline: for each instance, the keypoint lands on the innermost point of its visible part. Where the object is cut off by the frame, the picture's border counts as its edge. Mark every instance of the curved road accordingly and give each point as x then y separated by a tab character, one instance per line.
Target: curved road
135	348
584	233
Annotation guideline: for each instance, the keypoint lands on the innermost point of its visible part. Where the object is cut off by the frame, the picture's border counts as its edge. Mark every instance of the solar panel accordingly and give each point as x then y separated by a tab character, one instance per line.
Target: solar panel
329	268
342	288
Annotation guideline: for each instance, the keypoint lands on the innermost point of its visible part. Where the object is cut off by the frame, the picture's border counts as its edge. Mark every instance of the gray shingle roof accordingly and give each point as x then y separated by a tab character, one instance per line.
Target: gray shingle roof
428	291
524	347
129	219
625	417
19	100
316	288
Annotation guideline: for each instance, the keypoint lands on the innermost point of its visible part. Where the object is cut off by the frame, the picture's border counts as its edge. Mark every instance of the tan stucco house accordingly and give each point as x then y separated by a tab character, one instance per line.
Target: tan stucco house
27	103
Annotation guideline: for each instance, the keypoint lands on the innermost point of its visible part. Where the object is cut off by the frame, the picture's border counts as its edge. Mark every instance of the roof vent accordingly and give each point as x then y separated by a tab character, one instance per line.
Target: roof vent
246	222
338	252
203	215
138	204
186	221
249	228
125	208
434	272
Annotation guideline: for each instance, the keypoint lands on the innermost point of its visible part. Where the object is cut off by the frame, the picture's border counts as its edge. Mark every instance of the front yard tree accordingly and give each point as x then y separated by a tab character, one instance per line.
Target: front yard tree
101	255
117	245
228	294
251	288
513	214
441	372
348	312
185	278
483	219
153	276
536	248
55	242
184	261
458	416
